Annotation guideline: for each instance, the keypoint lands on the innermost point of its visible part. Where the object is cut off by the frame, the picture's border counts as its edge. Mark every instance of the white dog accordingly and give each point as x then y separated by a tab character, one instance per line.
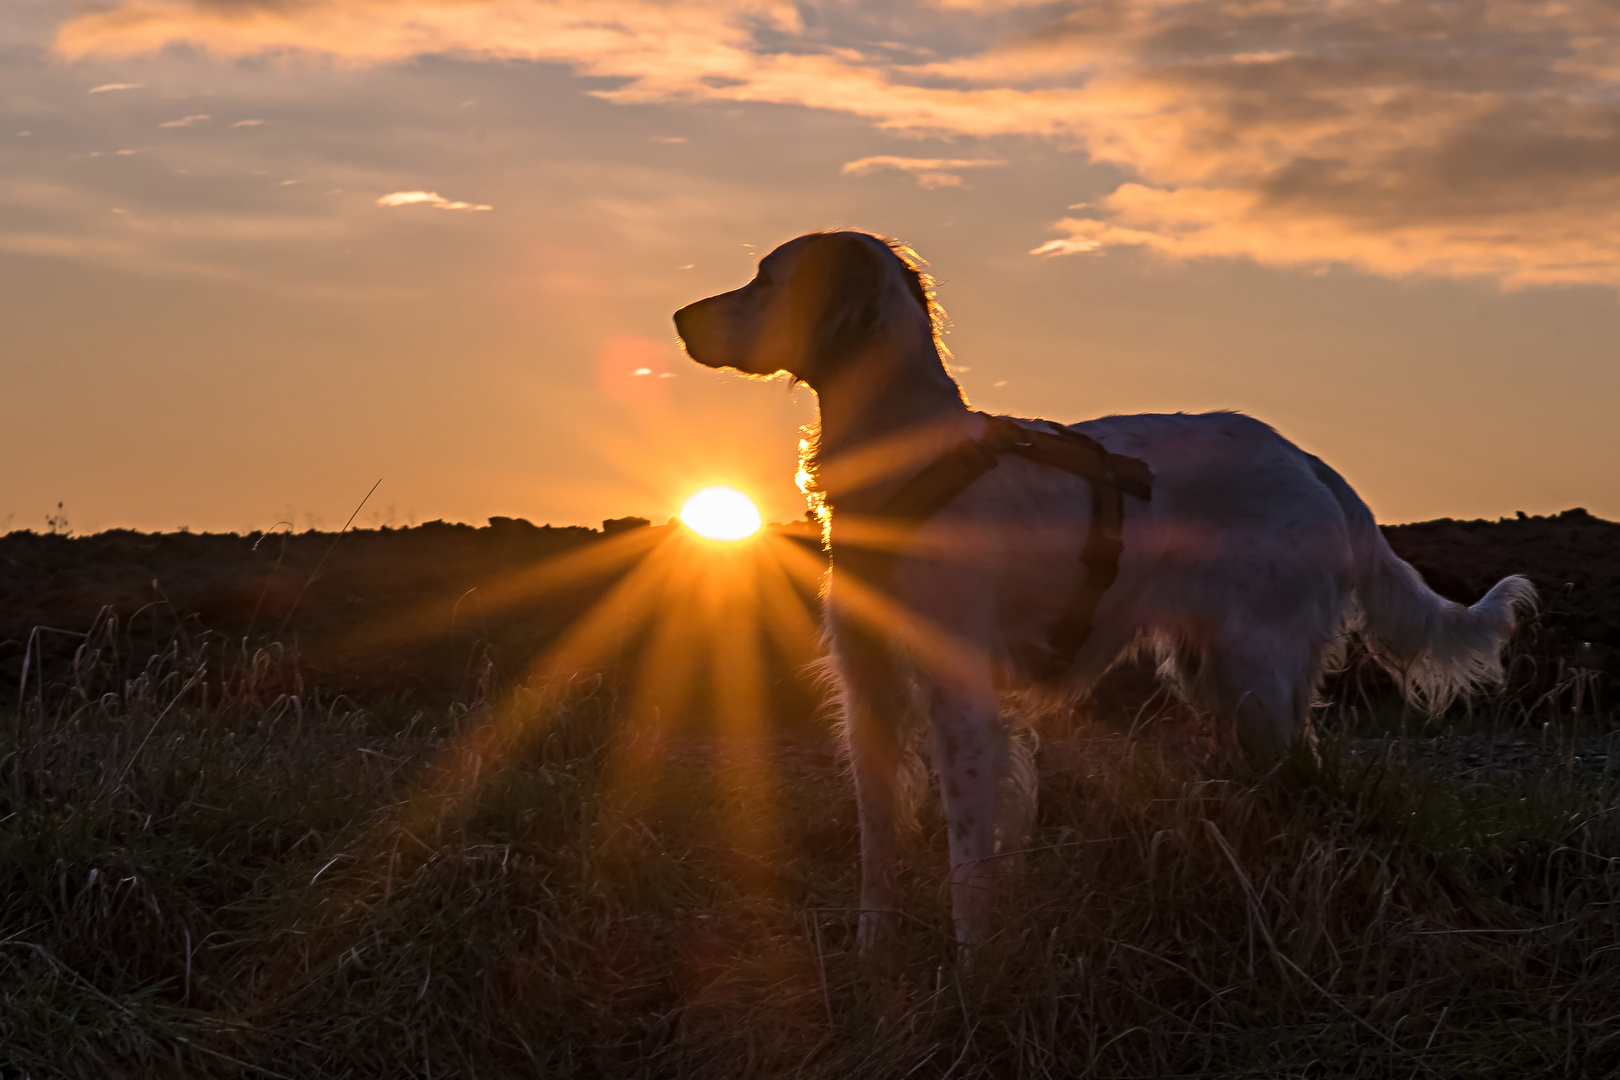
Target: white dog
965	563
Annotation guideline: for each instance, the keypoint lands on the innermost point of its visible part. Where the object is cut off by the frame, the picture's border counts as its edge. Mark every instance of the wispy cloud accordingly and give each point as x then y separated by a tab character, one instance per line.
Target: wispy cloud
929	172
105	87
428	198
247	123
1399	136
186	121
1070	246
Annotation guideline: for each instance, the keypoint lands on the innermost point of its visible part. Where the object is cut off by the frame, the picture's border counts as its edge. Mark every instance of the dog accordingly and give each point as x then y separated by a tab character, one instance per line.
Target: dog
1244	571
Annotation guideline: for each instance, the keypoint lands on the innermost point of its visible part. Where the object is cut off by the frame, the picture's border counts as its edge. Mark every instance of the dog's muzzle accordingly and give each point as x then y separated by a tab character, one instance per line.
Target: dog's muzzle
690	325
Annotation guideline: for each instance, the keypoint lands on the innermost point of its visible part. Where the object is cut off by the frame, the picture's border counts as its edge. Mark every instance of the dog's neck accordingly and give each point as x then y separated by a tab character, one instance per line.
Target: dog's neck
890	412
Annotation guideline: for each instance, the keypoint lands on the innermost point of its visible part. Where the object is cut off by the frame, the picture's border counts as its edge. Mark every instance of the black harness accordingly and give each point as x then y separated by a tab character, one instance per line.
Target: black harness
1111	477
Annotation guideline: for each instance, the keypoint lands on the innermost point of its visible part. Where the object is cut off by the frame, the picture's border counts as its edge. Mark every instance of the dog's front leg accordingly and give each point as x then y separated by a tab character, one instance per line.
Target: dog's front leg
971	753
874	714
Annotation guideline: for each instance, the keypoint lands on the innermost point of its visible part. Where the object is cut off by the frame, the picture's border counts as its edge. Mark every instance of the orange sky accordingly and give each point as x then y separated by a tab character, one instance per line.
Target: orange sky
258	255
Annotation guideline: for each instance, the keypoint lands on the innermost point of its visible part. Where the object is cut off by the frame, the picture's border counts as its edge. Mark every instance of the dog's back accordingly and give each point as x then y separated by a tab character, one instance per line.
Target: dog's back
1245	573
1249	568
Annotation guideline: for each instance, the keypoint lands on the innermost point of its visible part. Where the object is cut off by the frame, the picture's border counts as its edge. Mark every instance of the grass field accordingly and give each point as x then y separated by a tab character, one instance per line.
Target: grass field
203	880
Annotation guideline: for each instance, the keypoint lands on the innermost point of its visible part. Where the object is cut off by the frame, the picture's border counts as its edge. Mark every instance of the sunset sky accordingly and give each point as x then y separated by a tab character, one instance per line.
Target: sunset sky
257	255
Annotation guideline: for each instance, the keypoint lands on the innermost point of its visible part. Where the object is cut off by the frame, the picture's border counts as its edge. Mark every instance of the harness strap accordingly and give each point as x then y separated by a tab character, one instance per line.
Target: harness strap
940	481
1110	476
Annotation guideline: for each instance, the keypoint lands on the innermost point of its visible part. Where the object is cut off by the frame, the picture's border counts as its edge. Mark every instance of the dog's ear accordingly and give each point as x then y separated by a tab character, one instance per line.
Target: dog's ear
837	300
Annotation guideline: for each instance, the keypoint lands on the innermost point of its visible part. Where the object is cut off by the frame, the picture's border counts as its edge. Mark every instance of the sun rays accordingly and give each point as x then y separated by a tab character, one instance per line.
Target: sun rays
692	634
692	631
680	659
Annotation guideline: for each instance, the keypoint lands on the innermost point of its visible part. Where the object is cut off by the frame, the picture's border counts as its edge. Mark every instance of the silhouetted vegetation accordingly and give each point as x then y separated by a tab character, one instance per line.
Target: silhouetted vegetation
432	614
217	863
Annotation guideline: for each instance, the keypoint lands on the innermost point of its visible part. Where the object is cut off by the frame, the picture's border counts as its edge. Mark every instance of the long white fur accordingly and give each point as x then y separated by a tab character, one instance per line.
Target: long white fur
1245	574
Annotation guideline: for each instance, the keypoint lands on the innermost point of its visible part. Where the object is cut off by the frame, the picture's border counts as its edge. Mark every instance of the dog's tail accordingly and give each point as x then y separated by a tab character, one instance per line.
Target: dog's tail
1434	648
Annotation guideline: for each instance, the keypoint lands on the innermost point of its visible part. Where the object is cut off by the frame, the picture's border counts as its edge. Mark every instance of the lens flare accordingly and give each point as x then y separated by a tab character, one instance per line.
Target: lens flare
721	513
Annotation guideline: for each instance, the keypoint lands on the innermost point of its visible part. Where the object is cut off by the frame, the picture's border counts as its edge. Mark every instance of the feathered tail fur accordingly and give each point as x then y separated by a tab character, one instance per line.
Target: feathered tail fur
1435	649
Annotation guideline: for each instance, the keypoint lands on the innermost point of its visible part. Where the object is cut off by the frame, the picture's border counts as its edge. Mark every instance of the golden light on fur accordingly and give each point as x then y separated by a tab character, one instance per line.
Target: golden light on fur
721	513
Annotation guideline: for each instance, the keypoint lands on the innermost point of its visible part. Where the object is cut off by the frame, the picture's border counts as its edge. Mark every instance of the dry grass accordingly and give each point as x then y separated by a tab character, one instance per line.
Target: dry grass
202	879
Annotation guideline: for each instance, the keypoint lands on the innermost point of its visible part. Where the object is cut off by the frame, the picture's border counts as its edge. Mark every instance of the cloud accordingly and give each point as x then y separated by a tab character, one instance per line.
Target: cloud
247	123
1071	246
929	172
908	164
186	121
427	198
105	87
1398	136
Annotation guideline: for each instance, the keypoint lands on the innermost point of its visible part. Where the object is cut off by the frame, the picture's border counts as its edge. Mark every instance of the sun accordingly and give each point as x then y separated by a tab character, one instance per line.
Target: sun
721	513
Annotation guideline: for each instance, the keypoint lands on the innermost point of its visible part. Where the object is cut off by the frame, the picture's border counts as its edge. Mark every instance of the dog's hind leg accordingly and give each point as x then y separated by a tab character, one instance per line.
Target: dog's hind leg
1263	689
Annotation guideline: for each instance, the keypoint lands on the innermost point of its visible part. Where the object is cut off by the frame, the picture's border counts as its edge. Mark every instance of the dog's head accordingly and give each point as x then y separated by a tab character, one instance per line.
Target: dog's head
816	304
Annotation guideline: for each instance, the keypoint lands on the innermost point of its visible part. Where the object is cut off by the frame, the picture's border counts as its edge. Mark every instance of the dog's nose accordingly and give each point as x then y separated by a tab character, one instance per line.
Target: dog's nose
683	322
